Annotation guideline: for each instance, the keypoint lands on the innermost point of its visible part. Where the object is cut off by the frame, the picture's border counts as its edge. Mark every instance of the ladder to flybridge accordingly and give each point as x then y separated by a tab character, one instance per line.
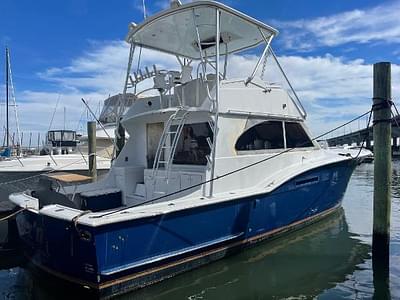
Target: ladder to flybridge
168	142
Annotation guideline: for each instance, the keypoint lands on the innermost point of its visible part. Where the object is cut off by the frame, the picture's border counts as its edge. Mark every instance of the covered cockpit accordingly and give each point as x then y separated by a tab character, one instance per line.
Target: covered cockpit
111	106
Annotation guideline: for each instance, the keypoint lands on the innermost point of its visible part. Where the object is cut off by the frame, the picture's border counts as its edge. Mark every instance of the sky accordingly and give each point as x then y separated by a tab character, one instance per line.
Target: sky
75	49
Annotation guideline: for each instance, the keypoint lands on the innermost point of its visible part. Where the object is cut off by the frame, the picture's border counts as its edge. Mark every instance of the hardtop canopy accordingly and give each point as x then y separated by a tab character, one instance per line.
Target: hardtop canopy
174	30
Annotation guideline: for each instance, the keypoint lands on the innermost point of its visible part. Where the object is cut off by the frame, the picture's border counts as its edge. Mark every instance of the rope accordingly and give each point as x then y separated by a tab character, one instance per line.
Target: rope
232	172
365	137
13	214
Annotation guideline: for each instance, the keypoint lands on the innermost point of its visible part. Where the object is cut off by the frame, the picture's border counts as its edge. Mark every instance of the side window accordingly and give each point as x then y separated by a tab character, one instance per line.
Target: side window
296	136
266	135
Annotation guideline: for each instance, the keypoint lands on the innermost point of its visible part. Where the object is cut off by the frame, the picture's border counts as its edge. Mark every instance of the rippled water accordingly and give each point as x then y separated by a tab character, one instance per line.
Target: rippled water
328	260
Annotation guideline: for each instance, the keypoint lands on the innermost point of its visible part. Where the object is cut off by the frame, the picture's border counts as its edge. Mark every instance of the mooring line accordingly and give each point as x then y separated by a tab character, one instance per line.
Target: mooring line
13	214
365	136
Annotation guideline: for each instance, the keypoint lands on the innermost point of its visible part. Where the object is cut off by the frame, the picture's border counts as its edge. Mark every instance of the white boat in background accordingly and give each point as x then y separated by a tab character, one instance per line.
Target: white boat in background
360	153
60	153
64	150
107	122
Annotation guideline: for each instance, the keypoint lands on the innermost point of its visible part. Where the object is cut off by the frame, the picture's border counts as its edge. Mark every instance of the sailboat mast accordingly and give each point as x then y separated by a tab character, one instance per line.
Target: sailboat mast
7	89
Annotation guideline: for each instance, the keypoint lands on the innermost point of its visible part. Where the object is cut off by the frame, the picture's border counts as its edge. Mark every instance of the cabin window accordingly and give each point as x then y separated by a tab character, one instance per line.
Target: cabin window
296	137
266	135
68	136
192	147
57	136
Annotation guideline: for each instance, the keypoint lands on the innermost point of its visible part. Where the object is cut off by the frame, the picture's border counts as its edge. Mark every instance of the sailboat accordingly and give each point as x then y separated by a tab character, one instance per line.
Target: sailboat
212	165
8	147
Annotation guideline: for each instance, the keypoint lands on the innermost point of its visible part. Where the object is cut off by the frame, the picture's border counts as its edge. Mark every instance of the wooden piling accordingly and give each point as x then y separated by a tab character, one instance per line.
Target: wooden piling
382	159
91	129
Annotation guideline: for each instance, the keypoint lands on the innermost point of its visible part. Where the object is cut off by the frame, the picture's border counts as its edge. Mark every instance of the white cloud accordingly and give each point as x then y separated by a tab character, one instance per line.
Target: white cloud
101	69
376	24
94	75
333	89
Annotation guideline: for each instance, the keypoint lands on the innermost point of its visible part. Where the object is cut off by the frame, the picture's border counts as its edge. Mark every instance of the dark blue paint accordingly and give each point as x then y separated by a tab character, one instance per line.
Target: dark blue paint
55	244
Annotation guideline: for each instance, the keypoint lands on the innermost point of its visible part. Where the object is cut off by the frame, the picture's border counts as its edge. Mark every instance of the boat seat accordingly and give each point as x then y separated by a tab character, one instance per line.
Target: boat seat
102	199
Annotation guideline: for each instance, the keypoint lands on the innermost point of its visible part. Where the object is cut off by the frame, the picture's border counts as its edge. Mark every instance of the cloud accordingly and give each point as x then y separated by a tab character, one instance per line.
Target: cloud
101	68
94	75
332	89
376	24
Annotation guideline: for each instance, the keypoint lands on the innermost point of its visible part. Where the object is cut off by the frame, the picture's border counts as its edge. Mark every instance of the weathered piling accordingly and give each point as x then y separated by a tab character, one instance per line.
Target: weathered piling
382	178
91	128
382	157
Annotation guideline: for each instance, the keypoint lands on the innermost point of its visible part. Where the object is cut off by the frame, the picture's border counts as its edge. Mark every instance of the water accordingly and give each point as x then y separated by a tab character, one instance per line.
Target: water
328	260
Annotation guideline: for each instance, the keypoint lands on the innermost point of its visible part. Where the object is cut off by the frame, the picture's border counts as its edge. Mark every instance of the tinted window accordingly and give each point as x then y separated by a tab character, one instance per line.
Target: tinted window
192	147
266	135
296	136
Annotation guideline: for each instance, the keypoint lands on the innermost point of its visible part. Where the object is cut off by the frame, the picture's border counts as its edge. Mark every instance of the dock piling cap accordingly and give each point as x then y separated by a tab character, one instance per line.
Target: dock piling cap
174	30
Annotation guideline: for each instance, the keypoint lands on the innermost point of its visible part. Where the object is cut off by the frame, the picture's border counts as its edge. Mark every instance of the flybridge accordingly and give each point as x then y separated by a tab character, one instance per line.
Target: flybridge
190	32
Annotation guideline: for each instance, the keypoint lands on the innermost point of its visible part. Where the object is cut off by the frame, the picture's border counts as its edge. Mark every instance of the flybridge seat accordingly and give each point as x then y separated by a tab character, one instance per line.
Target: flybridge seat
193	93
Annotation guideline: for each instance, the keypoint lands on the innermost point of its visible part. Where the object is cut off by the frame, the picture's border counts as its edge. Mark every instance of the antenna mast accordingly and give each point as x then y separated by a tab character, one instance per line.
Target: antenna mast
7	130
11	85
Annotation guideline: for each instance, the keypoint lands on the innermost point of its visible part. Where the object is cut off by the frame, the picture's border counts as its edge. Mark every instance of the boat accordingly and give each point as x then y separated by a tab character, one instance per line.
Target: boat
360	153
107	122
365	155
212	164
60	153
11	144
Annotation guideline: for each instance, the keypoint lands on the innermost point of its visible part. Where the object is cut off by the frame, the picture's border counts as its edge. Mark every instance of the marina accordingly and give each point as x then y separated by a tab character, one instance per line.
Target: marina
295	266
196	179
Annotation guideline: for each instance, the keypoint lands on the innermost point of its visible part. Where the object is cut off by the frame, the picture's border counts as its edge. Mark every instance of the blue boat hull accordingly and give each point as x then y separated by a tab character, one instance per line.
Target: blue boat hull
119	257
